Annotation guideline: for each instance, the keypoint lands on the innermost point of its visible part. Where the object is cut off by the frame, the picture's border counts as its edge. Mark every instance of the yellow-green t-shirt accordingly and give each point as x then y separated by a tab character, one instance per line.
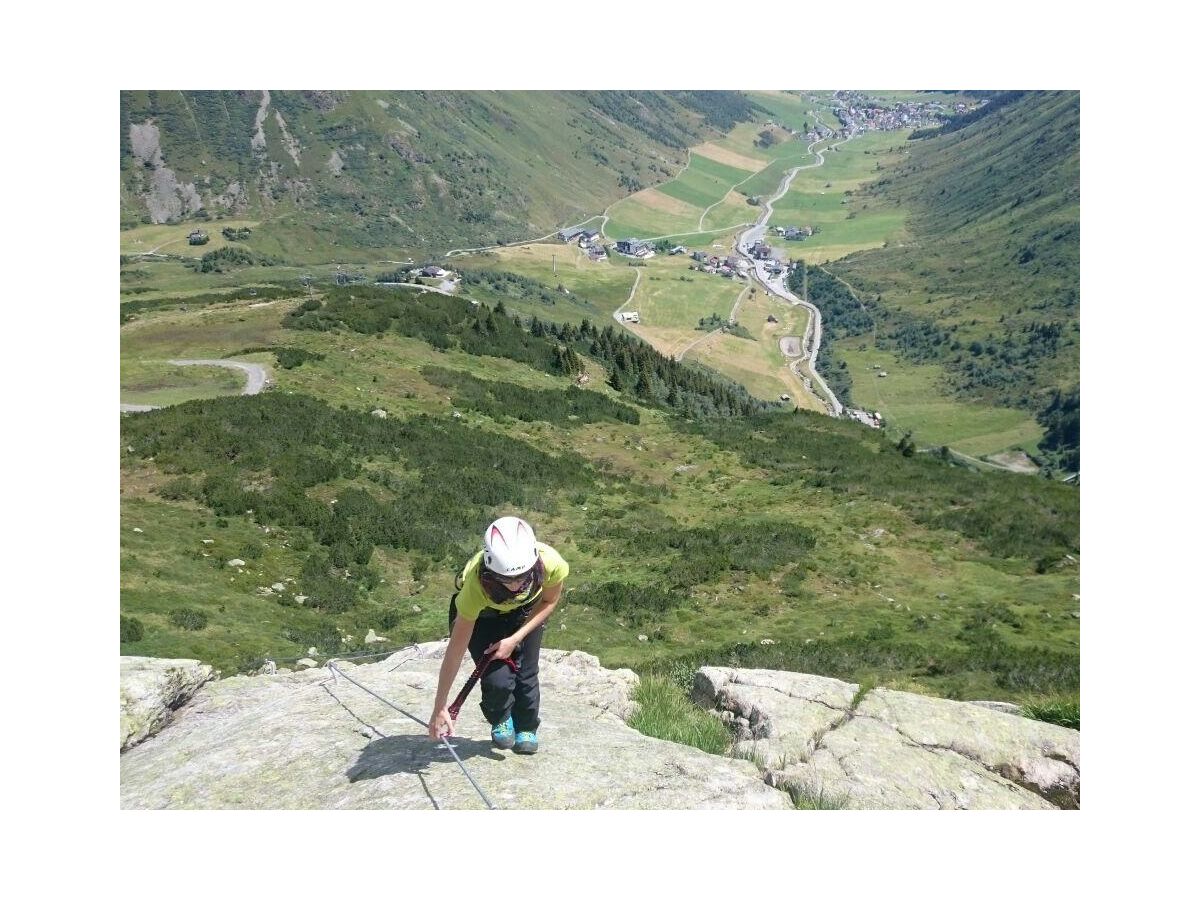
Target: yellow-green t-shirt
472	600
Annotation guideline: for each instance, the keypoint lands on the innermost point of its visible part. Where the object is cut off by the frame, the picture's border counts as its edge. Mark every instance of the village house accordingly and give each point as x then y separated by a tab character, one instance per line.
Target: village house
633	247
699	256
433	272
793	234
761	250
586	237
675	251
569	234
630	317
198	237
596	252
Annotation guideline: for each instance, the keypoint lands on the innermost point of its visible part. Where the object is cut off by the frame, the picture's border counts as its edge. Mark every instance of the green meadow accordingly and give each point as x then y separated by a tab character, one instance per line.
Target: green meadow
158	383
788	108
671	296
823	197
172	239
911	398
704	182
596	289
632	218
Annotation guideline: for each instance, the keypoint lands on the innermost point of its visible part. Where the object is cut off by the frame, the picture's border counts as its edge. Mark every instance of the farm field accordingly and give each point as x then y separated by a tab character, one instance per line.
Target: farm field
672	296
766	182
759	364
819	197
909	400
676	206
597	288
733	211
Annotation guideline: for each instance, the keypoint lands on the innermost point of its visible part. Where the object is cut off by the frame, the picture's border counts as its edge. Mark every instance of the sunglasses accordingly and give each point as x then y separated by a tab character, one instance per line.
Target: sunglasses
516	581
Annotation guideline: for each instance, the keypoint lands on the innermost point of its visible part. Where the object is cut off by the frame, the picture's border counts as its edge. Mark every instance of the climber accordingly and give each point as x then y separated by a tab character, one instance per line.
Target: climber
506	592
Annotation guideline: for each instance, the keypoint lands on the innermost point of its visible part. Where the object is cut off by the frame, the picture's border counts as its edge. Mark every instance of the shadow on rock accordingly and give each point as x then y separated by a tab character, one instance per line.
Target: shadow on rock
412	754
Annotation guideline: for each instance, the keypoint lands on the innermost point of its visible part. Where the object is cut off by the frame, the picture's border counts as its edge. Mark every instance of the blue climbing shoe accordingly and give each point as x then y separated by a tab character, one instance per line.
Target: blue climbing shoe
526	742
502	734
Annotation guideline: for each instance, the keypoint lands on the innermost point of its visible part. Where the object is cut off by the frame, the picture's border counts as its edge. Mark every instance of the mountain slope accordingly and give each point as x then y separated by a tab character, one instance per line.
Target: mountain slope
782	541
986	284
409	171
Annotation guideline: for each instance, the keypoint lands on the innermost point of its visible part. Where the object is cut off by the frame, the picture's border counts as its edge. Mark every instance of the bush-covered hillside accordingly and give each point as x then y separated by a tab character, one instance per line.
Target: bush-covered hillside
986	283
707	532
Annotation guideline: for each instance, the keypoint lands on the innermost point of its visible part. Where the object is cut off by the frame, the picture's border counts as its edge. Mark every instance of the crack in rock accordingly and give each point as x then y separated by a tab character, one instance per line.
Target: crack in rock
1007	775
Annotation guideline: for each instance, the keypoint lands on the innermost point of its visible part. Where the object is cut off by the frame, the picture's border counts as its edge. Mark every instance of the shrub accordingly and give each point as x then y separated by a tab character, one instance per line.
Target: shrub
181	488
637	603
324	636
252	549
189	619
132	630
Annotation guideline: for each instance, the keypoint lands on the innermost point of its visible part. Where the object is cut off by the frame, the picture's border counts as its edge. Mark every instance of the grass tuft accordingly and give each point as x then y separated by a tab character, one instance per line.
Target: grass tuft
804	797
667	713
1062	711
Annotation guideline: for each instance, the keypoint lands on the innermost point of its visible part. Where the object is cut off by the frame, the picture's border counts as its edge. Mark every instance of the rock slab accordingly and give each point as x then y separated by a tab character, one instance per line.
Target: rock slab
817	738
314	740
151	689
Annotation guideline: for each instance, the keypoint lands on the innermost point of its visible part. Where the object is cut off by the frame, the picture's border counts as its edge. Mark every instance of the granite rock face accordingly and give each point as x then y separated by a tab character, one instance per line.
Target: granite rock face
151	689
891	749
314	740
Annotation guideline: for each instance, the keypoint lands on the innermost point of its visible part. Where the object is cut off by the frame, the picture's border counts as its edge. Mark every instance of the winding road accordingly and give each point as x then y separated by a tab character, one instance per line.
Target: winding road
256	377
810	344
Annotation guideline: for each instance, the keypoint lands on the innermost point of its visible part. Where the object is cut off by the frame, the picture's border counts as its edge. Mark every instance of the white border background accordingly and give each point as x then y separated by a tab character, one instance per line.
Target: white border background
65	73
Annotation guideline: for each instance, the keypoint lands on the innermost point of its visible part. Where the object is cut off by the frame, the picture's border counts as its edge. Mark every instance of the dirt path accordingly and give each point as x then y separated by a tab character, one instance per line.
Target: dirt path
732	187
637	277
460	251
1021	467
256	377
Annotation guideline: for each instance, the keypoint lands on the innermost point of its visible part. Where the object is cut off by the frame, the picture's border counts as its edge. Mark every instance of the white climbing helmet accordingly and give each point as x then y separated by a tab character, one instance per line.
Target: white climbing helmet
508	548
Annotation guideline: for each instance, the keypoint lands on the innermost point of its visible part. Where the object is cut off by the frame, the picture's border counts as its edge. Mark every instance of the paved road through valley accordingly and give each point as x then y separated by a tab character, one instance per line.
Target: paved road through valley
811	342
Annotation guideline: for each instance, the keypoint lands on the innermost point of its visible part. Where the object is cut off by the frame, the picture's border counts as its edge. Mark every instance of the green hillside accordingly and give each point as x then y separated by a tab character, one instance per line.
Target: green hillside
700	526
985	284
328	175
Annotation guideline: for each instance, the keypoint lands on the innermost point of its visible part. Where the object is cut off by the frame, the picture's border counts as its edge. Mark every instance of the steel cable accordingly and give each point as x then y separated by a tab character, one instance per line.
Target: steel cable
446	743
